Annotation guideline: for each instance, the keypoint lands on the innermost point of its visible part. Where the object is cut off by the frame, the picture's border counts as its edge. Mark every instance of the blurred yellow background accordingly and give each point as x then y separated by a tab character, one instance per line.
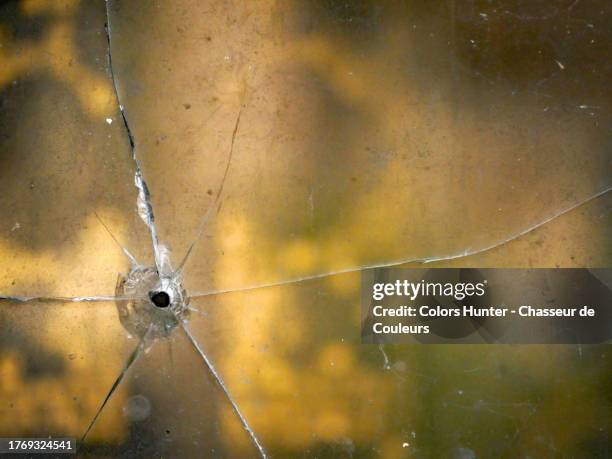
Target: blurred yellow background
358	123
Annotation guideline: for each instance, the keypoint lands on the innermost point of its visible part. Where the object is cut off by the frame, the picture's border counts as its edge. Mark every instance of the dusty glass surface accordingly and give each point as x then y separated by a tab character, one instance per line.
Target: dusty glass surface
360	133
246	160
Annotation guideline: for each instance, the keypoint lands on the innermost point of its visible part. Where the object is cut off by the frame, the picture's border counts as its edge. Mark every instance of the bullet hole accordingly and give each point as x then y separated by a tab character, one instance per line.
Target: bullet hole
187	106
160	299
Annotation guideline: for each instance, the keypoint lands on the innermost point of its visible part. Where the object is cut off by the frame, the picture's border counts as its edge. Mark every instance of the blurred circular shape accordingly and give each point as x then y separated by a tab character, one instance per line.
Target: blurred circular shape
137	408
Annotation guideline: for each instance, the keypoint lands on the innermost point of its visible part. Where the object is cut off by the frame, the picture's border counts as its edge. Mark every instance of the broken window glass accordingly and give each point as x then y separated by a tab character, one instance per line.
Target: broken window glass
190	190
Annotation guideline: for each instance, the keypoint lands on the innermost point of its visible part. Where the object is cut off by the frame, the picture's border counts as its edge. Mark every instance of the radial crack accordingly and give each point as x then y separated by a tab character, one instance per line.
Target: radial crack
125	251
214	205
220	382
63	299
128	364
144	205
390	264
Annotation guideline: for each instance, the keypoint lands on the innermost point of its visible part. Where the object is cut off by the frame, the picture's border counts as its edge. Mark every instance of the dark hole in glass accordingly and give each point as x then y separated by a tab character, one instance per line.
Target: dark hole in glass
160	299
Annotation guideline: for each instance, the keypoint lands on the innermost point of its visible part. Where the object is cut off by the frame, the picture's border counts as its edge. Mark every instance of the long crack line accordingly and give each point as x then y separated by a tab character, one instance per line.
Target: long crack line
393	263
145	207
221	384
125	251
99	298
128	364
215	204
64	299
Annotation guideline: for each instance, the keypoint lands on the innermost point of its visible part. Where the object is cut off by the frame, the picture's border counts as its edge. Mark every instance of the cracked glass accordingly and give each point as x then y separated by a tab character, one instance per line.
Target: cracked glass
190	189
